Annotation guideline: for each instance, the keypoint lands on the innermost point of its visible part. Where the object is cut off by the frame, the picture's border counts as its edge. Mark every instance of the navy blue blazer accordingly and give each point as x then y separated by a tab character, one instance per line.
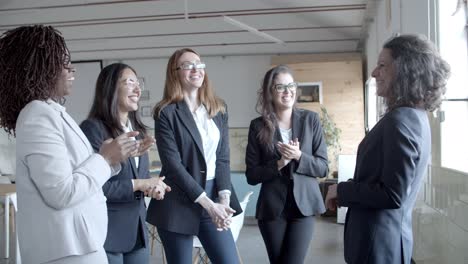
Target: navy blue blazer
126	209
391	162
262	167
180	149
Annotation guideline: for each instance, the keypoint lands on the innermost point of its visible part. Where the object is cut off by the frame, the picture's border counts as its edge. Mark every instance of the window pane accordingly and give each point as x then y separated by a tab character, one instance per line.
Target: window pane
454	133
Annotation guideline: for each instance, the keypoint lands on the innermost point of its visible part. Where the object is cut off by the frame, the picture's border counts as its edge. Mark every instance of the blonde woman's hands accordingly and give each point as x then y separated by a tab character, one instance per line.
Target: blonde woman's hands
220	214
120	148
225	199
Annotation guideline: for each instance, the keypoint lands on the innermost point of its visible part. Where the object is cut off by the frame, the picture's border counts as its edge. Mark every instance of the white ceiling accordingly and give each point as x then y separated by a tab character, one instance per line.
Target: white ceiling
119	29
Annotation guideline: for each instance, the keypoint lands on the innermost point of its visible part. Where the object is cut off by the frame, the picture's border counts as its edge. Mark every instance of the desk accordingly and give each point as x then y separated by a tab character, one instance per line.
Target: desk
6	190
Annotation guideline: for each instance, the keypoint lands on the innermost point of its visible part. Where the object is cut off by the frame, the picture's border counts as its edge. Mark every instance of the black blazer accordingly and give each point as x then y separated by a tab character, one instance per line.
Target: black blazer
126	209
391	162
180	149
262	167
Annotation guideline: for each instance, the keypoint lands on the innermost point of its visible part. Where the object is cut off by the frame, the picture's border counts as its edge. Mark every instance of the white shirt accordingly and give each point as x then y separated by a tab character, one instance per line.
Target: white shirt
128	128
210	136
286	135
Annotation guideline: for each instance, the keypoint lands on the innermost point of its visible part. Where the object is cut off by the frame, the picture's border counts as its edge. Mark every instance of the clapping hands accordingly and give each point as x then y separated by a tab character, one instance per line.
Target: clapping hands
143	146
116	150
290	151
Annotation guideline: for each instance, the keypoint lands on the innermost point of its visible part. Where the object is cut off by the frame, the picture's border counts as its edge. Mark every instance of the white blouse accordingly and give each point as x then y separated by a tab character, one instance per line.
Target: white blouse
128	128
286	135
210	136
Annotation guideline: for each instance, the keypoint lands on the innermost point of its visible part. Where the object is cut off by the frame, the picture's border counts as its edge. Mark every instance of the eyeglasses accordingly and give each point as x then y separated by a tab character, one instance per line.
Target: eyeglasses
132	83
281	88
191	65
70	69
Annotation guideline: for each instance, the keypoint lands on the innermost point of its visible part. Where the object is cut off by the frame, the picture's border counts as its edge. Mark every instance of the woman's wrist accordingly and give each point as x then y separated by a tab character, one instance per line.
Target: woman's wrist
281	163
205	202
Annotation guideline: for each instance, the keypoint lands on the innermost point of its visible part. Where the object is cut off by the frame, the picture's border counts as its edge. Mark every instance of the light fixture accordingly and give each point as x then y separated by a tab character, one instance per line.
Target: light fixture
253	30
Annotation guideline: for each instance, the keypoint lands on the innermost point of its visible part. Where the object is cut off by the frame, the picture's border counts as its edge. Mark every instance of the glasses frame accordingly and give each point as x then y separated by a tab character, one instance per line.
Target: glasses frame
187	65
132	84
281	88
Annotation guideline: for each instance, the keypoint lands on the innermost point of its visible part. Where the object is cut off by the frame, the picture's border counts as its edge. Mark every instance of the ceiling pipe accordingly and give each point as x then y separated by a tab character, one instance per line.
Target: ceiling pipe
252	30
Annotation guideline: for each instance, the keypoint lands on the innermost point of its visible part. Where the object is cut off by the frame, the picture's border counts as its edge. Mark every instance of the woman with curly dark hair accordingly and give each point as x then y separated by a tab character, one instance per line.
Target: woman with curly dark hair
393	158
59	178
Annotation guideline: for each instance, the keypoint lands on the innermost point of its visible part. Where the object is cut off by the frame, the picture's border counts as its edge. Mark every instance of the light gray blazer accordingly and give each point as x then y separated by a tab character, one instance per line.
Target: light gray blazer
61	206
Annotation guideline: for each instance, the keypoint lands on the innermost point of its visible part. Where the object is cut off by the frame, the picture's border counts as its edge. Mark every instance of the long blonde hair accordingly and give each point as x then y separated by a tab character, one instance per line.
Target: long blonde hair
173	88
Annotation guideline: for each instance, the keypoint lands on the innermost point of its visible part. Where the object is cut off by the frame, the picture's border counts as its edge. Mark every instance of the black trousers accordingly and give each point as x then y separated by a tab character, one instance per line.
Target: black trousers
287	237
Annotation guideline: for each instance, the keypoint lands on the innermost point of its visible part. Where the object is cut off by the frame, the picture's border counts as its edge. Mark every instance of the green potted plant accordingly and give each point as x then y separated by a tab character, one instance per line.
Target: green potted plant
332	137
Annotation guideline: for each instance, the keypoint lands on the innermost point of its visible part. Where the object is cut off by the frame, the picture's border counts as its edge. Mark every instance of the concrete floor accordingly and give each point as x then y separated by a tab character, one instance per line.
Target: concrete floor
326	246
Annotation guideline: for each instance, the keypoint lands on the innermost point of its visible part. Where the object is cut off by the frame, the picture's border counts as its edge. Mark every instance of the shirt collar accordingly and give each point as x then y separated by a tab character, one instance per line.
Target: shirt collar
55	105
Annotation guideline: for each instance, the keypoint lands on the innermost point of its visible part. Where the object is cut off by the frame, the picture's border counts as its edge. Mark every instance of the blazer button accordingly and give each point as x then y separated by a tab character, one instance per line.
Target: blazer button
202	171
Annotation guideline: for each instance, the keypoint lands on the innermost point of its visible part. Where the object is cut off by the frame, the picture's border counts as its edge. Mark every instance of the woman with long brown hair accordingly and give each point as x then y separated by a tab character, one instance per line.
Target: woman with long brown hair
286	153
191	129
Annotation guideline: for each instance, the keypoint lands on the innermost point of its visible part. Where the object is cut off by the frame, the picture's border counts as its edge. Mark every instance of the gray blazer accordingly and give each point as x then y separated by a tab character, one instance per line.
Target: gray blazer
391	162
262	167
62	209
180	148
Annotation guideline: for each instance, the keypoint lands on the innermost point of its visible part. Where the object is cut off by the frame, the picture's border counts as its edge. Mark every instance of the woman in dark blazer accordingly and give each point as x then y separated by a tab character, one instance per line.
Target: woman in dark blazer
191	126
115	111
393	158
286	153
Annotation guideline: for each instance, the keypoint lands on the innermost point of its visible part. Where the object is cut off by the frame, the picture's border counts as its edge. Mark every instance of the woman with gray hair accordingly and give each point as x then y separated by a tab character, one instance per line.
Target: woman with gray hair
393	158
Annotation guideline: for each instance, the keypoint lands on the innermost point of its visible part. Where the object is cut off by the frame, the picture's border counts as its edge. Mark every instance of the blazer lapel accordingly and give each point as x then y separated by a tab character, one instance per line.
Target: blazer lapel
187	119
277	138
72	124
296	125
134	167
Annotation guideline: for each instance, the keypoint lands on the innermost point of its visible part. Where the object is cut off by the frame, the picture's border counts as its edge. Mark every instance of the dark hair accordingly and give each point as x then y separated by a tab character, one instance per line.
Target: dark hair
265	106
31	59
420	73
106	101
173	89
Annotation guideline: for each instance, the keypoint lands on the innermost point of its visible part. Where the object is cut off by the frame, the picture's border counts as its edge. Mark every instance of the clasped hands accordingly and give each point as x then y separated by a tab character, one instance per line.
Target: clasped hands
221	213
154	187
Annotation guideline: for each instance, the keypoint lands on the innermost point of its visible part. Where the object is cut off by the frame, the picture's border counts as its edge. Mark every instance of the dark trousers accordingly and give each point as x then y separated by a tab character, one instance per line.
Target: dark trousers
287	237
219	246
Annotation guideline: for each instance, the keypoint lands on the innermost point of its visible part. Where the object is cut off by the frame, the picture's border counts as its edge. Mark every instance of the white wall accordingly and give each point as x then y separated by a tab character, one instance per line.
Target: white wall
236	79
80	100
